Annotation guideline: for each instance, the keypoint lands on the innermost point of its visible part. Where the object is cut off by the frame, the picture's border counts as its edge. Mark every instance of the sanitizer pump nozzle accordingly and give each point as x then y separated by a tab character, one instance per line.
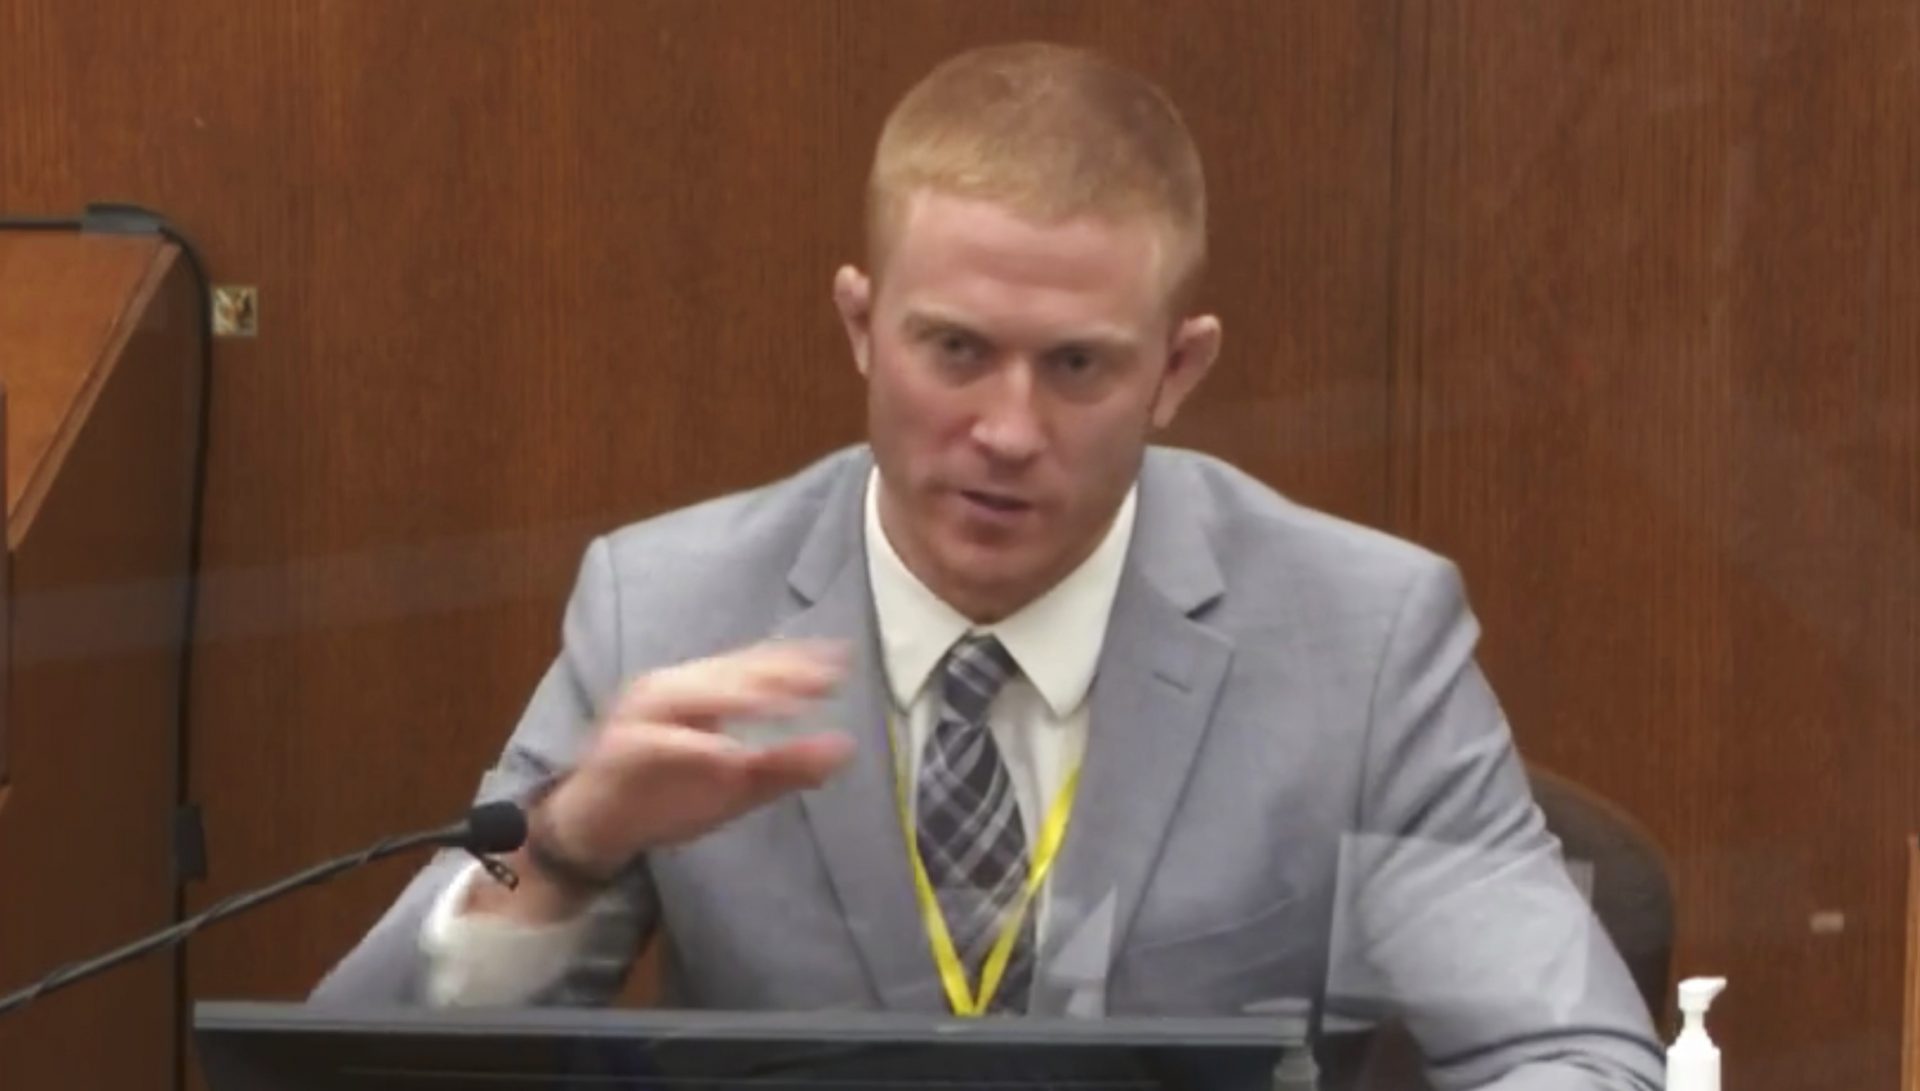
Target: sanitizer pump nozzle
1693	1062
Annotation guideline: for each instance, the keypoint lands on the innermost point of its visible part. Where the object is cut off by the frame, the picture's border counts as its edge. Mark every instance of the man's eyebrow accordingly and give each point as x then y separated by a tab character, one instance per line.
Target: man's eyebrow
1100	337
921	320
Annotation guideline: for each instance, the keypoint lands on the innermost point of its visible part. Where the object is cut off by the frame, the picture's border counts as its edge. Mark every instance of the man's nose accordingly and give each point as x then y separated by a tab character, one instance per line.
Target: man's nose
1009	427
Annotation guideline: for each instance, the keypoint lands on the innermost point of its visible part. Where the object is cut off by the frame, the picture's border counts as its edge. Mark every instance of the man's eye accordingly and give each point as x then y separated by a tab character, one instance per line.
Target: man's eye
1074	361
957	347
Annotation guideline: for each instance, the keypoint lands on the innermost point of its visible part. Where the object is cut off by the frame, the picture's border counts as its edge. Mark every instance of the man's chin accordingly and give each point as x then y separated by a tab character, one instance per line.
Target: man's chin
1004	578
980	554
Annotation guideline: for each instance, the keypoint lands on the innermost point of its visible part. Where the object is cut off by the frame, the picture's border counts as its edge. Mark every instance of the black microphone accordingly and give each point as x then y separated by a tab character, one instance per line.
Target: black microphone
487	829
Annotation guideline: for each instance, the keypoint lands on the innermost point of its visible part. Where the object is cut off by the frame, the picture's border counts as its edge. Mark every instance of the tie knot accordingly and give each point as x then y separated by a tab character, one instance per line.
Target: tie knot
976	667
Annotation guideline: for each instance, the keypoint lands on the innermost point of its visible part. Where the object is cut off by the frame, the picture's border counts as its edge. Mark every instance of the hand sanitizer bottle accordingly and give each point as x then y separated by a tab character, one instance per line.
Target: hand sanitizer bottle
1296	1070
1693	1062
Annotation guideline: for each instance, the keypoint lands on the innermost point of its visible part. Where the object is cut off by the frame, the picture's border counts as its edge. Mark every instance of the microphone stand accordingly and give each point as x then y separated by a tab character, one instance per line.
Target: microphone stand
455	835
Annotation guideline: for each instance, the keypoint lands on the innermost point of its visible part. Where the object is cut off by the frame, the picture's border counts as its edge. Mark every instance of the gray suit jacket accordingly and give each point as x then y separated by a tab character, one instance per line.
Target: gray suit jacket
1297	785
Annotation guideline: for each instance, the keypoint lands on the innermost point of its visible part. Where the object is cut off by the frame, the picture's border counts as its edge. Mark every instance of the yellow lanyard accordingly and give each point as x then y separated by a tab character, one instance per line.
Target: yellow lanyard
953	972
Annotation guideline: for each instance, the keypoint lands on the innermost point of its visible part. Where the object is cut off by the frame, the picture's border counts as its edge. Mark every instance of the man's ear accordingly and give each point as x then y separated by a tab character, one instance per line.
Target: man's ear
1196	344
853	298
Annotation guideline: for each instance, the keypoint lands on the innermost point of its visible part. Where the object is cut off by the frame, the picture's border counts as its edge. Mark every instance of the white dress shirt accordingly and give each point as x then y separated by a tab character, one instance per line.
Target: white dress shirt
1038	721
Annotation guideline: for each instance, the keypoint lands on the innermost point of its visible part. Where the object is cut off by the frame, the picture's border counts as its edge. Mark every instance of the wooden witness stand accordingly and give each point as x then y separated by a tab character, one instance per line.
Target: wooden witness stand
100	358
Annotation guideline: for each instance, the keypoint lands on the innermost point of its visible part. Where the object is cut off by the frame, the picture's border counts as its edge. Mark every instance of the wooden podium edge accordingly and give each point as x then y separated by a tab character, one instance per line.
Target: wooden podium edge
21	519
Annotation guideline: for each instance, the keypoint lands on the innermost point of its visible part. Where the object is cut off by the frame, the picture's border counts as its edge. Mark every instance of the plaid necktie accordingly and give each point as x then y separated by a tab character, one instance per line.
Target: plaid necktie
968	826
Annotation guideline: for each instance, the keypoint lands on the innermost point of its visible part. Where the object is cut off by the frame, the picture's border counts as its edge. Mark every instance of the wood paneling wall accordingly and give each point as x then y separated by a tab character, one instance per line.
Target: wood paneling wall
1612	302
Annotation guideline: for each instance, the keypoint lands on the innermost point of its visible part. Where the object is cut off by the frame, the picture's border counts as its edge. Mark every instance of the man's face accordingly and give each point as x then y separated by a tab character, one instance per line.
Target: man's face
1014	370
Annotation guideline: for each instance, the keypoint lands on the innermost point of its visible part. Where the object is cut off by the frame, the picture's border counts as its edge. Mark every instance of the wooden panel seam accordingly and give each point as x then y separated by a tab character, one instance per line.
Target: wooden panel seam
1406	281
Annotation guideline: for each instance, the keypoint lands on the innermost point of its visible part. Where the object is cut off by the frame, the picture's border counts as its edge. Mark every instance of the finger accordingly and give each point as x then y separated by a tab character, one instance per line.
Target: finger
766	680
699	696
691	689
682	748
742	773
803	763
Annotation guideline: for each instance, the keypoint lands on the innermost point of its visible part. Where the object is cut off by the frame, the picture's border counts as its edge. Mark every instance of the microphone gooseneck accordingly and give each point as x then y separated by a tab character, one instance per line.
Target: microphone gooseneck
487	829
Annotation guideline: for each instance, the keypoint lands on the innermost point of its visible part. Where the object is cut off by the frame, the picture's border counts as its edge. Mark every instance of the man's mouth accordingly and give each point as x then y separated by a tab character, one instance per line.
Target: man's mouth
996	502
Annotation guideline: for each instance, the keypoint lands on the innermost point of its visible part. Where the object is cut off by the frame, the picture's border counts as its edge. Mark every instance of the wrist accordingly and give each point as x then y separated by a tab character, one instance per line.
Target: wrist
537	900
556	848
557	881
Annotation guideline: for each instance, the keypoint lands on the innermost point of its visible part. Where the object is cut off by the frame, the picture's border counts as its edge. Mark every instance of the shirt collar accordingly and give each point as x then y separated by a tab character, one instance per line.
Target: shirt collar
1055	639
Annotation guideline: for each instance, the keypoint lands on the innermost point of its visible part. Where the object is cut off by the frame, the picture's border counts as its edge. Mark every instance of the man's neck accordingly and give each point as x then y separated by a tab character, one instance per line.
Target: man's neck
979	605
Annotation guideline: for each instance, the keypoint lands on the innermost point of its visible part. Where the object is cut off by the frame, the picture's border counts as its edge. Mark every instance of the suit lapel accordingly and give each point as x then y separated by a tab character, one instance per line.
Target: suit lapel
853	818
1160	675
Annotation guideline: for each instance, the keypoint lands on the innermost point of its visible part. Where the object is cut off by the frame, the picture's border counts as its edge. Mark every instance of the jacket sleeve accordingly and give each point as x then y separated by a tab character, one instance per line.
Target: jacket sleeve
1455	912
390	965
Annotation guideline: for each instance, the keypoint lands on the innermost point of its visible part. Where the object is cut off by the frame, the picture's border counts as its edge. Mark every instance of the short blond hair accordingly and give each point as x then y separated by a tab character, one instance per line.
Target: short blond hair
1051	132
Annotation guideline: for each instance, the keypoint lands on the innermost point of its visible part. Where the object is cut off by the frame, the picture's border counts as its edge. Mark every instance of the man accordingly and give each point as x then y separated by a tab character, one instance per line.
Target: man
1009	712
